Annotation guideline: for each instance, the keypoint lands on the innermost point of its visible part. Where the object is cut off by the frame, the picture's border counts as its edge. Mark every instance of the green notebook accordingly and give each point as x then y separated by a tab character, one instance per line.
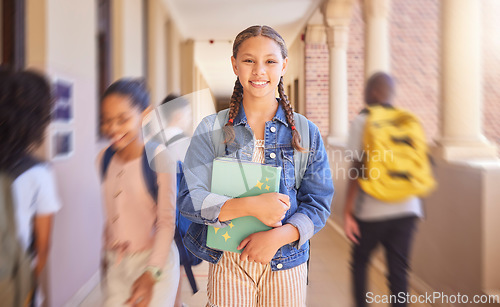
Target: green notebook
236	178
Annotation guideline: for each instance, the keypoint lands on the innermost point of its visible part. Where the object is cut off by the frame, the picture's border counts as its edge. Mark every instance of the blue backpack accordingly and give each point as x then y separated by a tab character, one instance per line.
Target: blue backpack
187	259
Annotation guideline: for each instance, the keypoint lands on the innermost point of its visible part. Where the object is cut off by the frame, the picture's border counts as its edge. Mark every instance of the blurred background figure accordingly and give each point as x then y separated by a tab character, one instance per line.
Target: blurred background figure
28	196
177	115
370	220
141	261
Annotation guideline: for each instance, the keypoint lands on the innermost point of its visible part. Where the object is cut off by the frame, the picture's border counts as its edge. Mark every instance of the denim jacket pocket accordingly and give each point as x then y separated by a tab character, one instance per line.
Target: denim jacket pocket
288	168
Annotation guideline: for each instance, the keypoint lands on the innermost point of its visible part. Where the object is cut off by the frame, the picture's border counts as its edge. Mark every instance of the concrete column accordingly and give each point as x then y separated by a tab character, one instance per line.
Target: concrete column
337	15
461	87
127	39
188	78
377	47
157	51
174	58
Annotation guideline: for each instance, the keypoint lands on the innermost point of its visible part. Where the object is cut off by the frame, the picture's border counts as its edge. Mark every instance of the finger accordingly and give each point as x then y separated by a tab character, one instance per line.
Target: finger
134	296
355	240
244	256
356	230
351	236
130	301
144	303
263	262
277	224
284	199
139	299
243	243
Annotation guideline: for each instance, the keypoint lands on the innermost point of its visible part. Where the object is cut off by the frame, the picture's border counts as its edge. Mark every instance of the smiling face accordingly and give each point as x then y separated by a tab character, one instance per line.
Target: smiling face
121	121
259	66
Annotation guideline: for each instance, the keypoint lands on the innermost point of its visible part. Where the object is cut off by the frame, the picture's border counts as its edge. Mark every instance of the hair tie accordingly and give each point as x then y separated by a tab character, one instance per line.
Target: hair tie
230	121
293	127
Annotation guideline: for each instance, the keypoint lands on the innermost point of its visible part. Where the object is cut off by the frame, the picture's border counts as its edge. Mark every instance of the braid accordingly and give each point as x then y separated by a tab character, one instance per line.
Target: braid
234	108
289	117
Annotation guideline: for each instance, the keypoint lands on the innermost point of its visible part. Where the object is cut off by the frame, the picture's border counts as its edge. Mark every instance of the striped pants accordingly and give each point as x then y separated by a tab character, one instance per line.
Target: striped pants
232	282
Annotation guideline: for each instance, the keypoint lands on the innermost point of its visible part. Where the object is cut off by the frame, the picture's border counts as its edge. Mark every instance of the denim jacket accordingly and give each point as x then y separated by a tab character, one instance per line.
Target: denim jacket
309	205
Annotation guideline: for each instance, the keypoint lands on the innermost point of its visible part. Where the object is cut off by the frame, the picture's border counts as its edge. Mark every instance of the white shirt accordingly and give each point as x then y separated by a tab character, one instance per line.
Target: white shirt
34	193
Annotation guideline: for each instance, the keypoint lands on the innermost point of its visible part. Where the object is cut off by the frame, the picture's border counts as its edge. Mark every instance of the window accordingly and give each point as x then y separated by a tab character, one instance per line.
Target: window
103	45
13	33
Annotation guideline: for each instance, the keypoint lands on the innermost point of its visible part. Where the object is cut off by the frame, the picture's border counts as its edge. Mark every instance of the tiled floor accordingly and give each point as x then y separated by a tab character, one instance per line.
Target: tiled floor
329	276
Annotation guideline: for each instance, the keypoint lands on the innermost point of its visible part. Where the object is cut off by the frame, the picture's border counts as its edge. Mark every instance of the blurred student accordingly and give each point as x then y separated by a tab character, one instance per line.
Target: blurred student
177	121
177	114
28	193
141	259
368	220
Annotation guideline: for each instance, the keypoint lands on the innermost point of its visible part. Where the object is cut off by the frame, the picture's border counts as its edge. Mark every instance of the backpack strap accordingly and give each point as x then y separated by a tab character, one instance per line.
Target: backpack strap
106	159
300	158
218	133
150	177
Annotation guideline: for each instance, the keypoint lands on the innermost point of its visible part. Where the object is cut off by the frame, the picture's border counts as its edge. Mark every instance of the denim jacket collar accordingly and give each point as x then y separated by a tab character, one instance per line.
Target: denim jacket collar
241	118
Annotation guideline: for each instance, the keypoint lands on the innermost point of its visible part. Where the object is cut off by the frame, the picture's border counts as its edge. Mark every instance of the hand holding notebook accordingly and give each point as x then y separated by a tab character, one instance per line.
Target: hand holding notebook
271	208
240	179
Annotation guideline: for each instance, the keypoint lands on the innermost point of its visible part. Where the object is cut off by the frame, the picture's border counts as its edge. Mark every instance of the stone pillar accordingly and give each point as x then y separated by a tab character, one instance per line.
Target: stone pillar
377	47
337	15
461	87
127	26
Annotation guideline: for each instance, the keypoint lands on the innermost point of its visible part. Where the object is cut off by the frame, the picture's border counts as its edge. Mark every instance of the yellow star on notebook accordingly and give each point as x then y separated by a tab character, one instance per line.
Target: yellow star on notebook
259	184
216	229
267	187
231	225
226	236
267	179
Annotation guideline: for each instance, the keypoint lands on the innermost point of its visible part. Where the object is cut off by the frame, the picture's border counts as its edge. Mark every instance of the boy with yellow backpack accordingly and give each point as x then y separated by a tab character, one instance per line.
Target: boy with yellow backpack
383	203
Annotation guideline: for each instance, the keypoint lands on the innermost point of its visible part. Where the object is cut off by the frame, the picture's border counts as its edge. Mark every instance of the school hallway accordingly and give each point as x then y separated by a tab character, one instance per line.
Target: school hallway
329	276
444	56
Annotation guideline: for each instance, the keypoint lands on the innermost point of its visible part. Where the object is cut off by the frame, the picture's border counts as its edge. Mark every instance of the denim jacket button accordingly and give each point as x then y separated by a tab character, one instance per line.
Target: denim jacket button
272	155
273	129
279	266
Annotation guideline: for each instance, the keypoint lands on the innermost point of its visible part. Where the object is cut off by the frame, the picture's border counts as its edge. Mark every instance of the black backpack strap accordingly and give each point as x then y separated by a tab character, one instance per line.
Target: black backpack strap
106	159
150	177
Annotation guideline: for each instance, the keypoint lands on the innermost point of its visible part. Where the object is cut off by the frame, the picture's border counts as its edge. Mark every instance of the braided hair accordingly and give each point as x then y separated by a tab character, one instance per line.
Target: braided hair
237	97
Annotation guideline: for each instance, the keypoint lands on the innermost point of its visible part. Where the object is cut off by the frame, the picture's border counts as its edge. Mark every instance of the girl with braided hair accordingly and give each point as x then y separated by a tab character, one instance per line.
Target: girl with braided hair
271	270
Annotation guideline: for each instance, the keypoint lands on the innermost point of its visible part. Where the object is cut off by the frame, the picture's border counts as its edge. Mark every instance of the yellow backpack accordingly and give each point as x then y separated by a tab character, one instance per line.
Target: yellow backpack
396	158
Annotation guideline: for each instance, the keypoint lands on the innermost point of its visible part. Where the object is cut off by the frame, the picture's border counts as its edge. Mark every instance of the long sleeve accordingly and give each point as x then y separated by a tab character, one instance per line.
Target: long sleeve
165	221
195	201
